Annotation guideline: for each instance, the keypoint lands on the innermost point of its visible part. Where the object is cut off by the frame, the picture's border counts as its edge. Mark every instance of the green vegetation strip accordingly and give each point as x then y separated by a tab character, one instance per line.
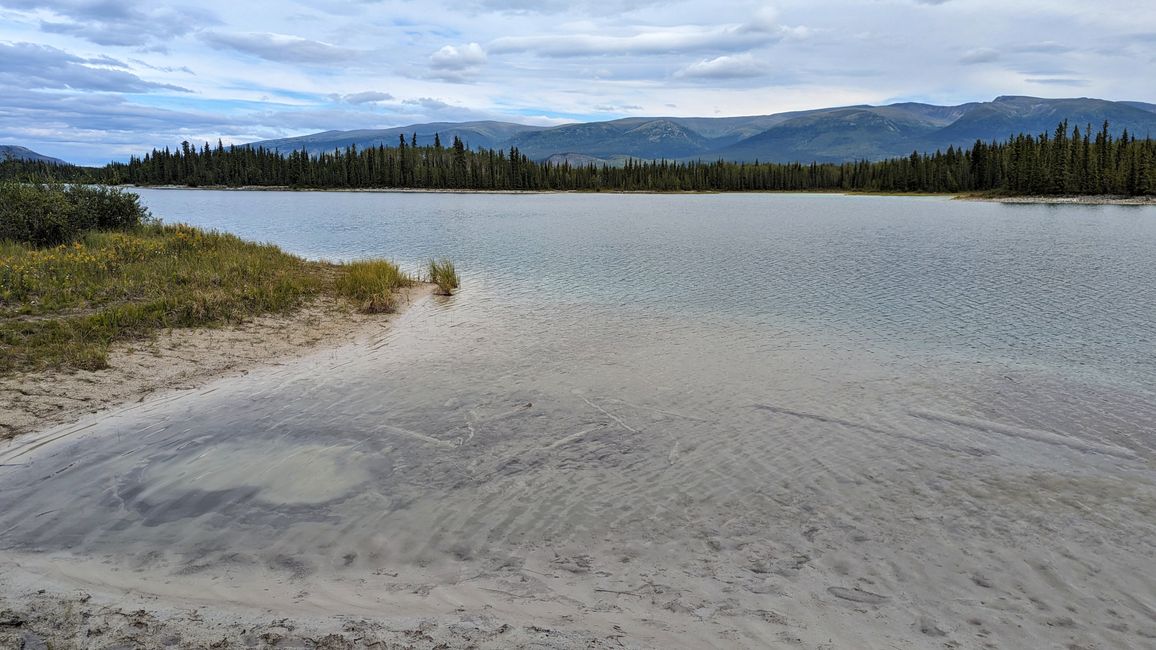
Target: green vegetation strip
62	306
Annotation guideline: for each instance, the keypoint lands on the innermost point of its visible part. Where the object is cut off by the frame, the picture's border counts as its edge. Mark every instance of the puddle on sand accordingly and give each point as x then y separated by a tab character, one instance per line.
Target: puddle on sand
297	474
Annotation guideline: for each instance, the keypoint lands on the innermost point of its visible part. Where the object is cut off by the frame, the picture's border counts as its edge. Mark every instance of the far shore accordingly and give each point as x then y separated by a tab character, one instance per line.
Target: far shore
1091	199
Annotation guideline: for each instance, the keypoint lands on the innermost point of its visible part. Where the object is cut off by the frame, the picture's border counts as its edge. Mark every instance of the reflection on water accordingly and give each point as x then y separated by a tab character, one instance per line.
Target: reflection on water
751	399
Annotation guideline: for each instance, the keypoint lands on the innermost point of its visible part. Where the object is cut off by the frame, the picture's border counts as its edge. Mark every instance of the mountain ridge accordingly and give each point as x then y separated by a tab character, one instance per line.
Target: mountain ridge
17	152
835	134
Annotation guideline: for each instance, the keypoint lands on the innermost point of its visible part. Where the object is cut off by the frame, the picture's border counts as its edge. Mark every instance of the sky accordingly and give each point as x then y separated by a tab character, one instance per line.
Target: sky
95	80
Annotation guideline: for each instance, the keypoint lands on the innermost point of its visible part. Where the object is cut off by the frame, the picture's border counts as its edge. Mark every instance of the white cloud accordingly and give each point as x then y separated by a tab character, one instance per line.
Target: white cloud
744	65
760	30
281	48
980	55
465	57
365	97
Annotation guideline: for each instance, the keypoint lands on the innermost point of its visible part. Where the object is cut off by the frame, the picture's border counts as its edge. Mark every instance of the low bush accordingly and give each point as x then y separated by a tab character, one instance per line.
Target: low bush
49	215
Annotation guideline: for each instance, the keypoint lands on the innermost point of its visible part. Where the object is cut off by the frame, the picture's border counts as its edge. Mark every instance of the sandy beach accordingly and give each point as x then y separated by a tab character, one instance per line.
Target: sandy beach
551	518
180	359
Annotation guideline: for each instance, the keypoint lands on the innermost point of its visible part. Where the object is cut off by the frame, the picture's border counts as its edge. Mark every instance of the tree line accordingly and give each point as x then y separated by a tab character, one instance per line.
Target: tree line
1067	161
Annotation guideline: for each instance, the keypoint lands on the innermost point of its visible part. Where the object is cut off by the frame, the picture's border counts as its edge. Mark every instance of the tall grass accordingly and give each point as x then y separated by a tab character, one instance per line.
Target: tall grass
63	306
371	284
441	272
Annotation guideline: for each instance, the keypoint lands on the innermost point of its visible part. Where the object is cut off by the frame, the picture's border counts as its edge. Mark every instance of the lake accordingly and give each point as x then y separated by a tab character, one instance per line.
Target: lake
763	418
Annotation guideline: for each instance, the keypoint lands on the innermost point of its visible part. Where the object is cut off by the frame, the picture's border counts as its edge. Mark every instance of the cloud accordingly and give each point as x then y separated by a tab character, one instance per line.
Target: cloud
427	102
1045	47
281	48
163	68
101	112
596	7
979	55
465	57
366	97
1058	81
32	66
117	23
725	67
726	38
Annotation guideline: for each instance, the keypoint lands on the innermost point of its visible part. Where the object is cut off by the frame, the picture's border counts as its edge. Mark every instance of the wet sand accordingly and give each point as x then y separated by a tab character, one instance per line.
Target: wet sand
438	484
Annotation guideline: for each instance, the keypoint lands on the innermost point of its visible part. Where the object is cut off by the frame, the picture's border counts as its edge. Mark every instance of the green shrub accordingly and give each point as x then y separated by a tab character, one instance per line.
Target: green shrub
37	215
49	215
442	273
111	208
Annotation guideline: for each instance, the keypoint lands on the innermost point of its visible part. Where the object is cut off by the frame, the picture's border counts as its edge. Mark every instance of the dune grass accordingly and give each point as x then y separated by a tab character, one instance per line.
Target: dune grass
441	272
62	307
372	284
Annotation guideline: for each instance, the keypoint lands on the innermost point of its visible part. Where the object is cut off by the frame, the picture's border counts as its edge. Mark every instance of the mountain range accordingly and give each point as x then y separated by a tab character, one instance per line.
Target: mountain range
822	135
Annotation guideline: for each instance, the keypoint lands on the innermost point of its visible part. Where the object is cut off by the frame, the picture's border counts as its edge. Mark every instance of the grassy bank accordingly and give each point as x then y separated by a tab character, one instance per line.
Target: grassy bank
63	305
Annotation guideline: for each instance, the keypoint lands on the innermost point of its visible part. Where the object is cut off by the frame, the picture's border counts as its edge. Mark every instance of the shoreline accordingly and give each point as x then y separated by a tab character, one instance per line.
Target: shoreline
183	359
1090	199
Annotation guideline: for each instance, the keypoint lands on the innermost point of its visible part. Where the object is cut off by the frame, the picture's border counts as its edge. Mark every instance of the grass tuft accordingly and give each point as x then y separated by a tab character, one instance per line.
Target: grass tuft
371	284
442	273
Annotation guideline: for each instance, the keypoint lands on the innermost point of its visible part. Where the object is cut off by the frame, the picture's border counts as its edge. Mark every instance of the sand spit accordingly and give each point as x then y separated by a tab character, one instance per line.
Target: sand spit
178	359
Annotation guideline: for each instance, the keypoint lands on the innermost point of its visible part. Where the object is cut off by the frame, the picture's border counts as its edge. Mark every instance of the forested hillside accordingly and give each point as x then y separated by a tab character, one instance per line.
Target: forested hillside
1066	161
834	135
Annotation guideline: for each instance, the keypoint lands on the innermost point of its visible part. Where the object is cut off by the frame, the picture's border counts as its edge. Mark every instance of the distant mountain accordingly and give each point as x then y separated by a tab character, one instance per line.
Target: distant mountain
836	135
1010	115
1142	106
822	135
876	132
637	138
11	151
476	135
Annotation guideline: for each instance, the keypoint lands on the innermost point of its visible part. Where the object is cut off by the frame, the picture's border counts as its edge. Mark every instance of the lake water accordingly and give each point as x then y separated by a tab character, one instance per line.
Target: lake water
755	400
1069	287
